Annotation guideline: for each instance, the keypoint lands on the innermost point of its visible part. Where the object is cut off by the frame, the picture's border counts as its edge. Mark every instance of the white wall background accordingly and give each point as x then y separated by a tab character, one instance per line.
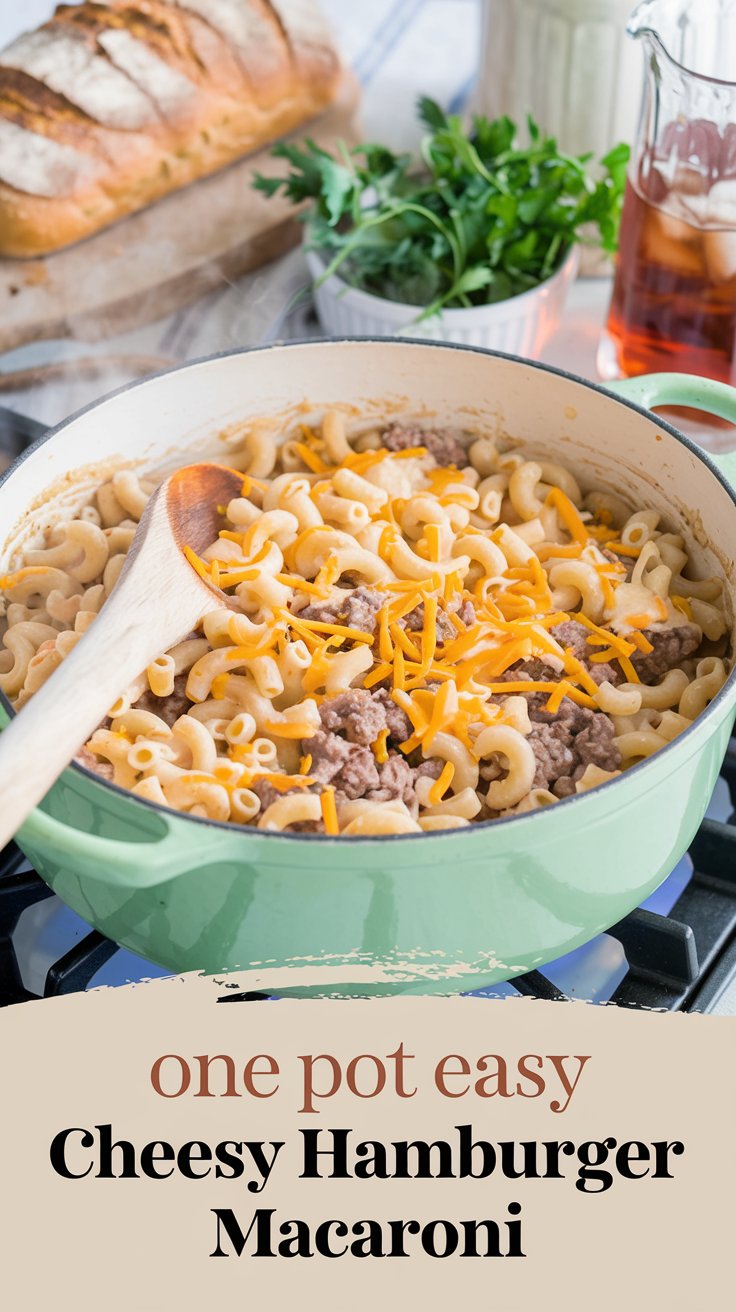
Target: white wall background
16	17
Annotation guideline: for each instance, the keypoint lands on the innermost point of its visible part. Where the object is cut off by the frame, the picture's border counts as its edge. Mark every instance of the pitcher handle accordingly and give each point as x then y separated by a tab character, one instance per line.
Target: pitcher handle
715	398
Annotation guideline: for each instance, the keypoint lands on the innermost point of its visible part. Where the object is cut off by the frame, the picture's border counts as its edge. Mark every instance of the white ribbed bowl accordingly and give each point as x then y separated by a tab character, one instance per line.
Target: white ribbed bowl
521	325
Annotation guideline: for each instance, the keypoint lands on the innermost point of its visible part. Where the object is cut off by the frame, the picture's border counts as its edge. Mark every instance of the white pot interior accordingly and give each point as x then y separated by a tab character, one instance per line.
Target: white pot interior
202	410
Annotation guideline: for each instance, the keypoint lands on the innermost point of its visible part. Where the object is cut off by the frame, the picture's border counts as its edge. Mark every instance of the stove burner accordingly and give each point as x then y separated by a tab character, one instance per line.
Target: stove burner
681	961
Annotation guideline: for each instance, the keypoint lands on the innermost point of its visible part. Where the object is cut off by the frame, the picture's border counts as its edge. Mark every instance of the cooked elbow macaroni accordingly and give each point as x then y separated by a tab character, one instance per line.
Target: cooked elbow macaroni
431	633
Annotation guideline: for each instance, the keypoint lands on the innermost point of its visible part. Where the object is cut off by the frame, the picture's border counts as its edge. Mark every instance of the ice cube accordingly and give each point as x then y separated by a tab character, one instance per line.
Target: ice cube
692	209
669	241
728	152
722	203
695	143
689	181
676	221
719	249
719	237
669	177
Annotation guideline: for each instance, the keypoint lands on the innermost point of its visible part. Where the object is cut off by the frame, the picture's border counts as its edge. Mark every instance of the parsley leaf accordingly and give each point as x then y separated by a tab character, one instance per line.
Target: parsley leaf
483	220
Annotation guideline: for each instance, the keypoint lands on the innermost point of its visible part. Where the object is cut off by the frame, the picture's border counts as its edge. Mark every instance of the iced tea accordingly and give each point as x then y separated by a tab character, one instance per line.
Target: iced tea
674	298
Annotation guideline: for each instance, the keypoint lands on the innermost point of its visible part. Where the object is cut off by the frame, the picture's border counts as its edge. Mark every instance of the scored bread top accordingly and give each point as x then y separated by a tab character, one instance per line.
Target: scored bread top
107	107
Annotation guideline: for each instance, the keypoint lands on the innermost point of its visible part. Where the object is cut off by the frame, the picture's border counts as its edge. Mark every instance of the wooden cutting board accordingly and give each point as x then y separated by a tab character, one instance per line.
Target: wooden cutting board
154	262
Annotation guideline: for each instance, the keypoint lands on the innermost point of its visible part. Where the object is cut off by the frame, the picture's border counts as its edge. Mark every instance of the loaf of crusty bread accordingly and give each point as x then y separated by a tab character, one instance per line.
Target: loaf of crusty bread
109	107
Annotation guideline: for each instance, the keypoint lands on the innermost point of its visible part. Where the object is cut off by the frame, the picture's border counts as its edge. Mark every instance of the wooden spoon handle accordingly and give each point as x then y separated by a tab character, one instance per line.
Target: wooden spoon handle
156	601
41	741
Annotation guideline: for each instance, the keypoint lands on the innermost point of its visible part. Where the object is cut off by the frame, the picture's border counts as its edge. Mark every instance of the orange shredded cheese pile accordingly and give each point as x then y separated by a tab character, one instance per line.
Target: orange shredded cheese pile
683	605
444	673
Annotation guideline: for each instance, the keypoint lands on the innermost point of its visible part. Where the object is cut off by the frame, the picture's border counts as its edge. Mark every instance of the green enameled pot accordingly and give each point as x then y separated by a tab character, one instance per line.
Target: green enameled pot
425	913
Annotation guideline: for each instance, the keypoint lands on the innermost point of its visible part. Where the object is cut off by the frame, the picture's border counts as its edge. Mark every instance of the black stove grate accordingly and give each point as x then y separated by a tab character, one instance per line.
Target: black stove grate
16	433
682	961
671	957
20	889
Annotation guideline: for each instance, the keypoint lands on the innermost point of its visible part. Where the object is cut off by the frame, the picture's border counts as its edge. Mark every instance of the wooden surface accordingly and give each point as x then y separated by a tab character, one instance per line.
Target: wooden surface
155	262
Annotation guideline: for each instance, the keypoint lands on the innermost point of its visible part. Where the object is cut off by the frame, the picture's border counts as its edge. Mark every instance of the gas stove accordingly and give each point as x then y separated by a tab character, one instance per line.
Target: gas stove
676	952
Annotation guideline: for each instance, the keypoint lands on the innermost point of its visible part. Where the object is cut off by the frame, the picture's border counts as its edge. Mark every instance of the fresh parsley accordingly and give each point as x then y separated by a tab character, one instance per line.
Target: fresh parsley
482	221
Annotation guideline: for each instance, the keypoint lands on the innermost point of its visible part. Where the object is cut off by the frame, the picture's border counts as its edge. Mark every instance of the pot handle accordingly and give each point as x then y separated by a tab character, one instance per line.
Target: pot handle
113	861
691	390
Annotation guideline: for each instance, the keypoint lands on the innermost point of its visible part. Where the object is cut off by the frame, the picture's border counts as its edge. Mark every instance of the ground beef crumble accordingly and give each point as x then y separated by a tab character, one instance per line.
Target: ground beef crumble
169	708
574	638
441	443
346	768
349	767
444	627
396	782
566	744
357	713
90	762
465	613
670	647
358	610
362	715
397	721
551	744
267	794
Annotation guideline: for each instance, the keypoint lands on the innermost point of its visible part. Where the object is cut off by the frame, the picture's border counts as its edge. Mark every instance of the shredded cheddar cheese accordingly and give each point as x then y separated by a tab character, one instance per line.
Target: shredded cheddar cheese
377	675
432	534
683	605
385	645
407	636
569	515
409	452
219	684
643	620
612	639
400	637
441	785
361	462
356	635
399	674
12	580
290	729
329	811
379	748
620	549
283	782
191	556
628	669
548	549
311	459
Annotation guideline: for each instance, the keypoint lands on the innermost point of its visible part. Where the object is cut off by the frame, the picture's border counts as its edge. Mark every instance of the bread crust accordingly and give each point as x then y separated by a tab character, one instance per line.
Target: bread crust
212	100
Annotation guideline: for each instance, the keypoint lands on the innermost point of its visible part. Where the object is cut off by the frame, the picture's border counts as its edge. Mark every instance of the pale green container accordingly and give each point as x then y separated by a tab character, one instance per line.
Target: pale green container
424	913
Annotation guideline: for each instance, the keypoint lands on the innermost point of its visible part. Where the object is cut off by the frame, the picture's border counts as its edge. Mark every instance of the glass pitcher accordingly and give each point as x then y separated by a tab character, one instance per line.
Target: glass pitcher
674	297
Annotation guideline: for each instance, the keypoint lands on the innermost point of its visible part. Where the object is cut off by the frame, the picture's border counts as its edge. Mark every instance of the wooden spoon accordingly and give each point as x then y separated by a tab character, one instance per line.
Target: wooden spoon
156	601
